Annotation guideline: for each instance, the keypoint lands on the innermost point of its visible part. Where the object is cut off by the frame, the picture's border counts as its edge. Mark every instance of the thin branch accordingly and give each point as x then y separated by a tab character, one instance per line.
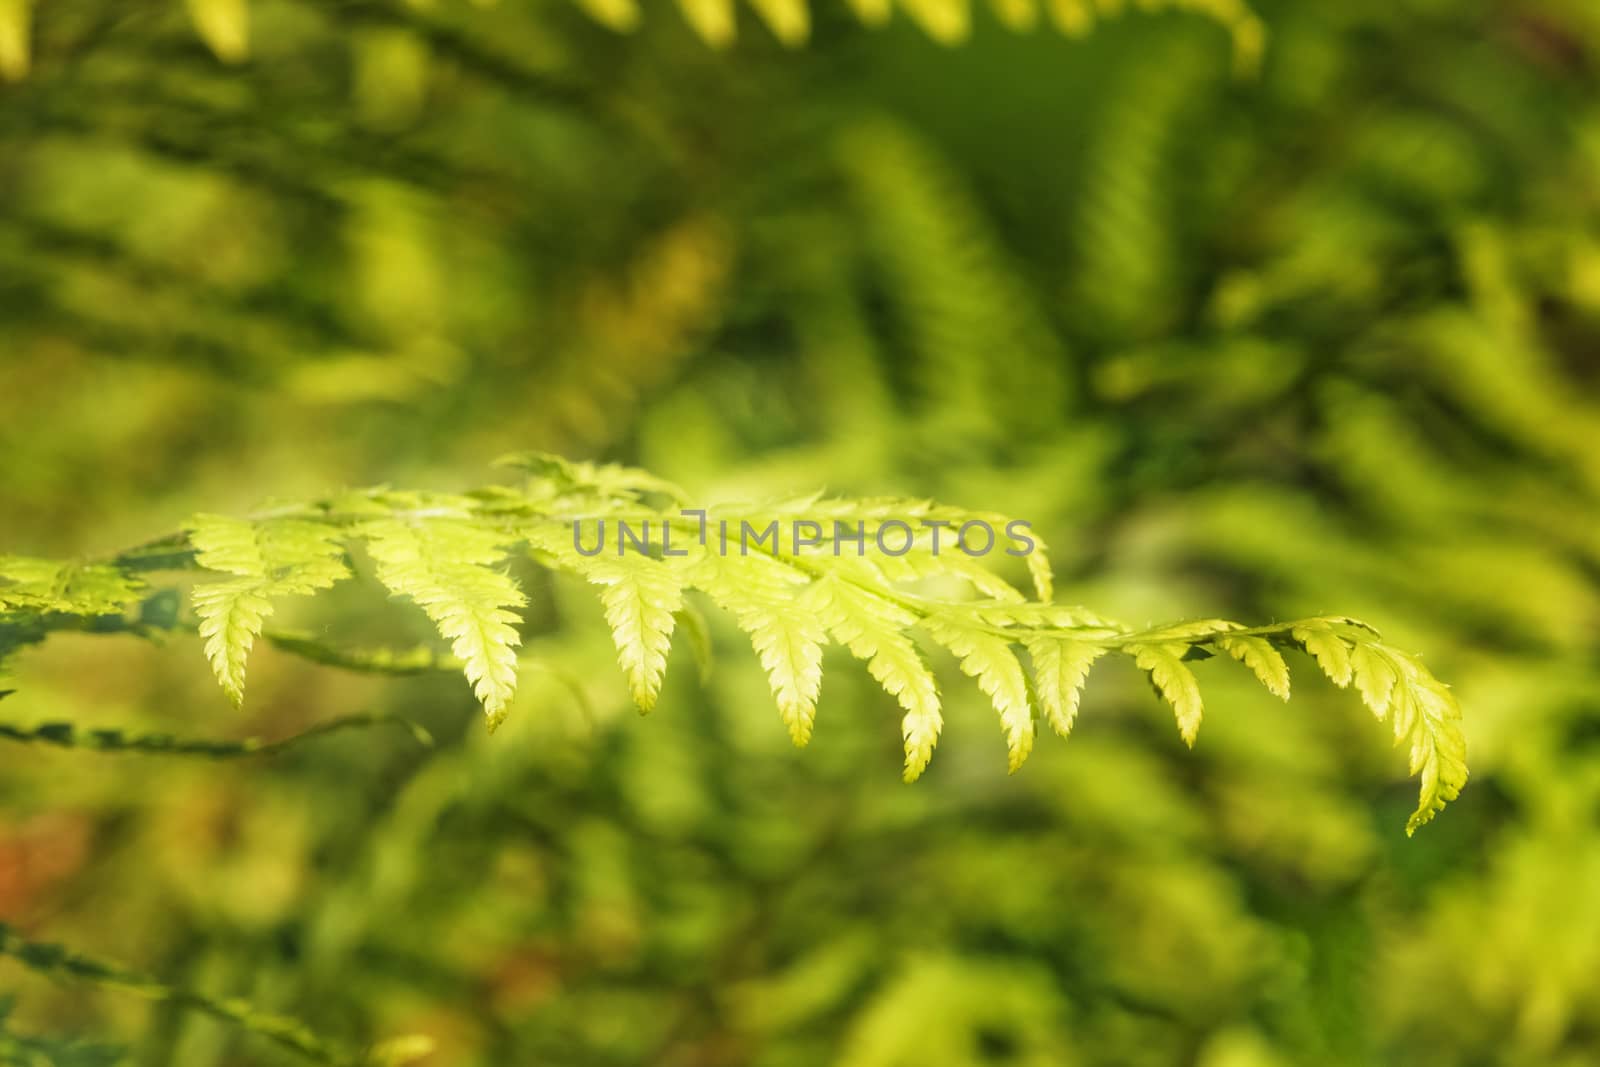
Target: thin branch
62	964
68	735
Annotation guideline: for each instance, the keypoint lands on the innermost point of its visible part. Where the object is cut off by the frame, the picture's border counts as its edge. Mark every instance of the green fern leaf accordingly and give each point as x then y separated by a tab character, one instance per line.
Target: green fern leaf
1375	677
928	552
946	21
1175	682
712	20
989	659
1424	715
873	629
224	25
609	480
620	15
1060	668
231	615
1044	579
15	33
641	600
1427	716
919	565
27	584
1258	654
274	557
641	597
42	585
1395	685
448	566
763	597
1328	648
789	20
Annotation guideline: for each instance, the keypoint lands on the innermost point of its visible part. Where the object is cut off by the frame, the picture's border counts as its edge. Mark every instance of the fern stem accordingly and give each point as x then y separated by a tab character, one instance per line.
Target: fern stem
68	735
62	964
381	660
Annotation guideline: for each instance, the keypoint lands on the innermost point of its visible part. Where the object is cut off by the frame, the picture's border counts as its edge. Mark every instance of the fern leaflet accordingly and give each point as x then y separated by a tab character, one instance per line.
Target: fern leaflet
1263	660
1060	668
764	597
873	629
642	599
990	660
272	558
1175	682
448	566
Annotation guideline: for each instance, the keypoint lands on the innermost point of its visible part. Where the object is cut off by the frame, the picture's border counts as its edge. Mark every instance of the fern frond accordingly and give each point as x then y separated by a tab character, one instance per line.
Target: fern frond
1174	681
1426	716
449	567
1395	685
935	545
871	12
712	20
790	594
15	34
955	289
224	25
609	480
763	596
946	21
1327	648
1060	667
1375	677
641	605
642	598
231	615
276	557
991	661
873	629
1263	660
49	587
789	20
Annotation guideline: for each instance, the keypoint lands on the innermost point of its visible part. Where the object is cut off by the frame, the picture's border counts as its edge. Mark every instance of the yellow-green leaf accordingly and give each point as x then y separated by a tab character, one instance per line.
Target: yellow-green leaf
15	19
873	629
1327	647
224	25
450	568
989	659
1258	654
1175	682
1060	669
764	597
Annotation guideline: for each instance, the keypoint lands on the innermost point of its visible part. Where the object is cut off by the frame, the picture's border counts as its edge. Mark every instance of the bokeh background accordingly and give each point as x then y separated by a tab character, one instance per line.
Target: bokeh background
1249	318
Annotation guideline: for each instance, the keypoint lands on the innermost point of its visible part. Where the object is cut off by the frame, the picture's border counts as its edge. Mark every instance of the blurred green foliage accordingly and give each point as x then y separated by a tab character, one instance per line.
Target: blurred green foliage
1320	339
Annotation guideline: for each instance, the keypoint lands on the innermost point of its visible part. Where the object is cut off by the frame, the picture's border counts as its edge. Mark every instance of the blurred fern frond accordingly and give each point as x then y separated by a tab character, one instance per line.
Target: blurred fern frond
948	22
225	25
